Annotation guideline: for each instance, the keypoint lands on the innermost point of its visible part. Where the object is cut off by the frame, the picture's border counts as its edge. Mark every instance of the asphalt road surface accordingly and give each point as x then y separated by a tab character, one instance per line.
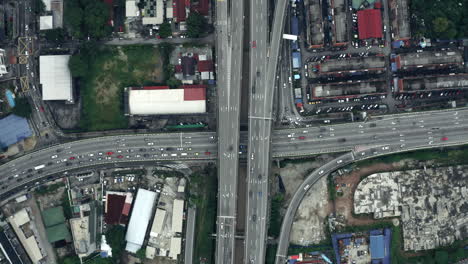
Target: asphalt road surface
229	36
265	47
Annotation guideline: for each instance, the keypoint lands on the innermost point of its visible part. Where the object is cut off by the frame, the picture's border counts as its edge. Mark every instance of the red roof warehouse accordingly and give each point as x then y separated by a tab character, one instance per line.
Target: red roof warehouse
369	23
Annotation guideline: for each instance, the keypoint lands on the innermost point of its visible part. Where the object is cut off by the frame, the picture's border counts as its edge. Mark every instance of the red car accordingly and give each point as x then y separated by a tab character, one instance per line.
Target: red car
444	139
207	153
119	156
110	153
41	108
72	158
254	44
301	137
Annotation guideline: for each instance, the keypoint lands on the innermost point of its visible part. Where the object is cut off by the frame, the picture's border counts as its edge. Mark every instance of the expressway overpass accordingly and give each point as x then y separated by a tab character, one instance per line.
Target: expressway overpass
265	48
229	39
397	132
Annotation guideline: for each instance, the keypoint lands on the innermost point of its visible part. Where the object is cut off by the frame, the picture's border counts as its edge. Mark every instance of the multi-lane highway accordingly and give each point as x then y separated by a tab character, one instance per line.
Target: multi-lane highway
229	36
397	132
105	150
264	52
260	120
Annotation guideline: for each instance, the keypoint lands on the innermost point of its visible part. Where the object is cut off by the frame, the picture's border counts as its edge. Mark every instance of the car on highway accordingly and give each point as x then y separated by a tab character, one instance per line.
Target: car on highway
321	172
306	187
301	137
254	44
207	153
339	161
150	143
120	156
54	156
72	158
444	138
109	153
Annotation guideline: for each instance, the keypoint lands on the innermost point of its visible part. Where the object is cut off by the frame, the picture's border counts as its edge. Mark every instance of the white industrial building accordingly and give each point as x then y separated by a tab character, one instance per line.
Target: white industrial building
55	78
139	220
158	222
177	215
166	101
176	245
131	8
20	222
46	22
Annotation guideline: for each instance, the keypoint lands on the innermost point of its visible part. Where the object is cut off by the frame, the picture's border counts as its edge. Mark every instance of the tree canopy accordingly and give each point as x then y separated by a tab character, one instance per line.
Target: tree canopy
115	237
22	107
87	18
196	25
439	19
165	30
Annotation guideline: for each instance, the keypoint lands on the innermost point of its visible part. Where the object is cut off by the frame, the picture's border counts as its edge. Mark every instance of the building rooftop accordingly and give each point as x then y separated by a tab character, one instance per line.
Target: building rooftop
55	77
377	248
46	22
167	101
177	216
369	23
141	214
14	129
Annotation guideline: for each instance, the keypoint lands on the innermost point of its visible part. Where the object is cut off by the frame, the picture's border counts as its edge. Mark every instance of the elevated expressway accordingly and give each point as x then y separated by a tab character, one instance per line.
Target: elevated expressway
398	133
229	37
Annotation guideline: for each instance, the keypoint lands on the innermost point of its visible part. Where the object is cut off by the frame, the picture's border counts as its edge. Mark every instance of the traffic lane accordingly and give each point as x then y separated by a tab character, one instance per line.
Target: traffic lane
400	122
375	136
209	152
390	139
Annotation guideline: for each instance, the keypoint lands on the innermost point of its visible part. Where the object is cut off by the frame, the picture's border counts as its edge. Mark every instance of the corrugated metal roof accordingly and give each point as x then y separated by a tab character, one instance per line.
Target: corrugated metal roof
179	10
13	129
377	248
176	246
139	220
158	102
55	77
194	94
369	23
158	222
114	206
177	215
205	66
294	25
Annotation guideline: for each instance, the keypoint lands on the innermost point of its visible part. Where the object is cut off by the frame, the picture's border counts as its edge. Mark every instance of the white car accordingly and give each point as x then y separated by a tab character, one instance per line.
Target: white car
386	148
321	172
339	161
54	157
306	187
150	143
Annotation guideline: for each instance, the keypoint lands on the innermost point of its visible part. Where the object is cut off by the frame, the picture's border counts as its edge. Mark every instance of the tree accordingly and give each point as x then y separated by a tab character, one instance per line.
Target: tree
96	19
441	257
22	107
173	83
115	237
70	260
440	24
56	35
196	25
141	253
39	7
78	65
165	30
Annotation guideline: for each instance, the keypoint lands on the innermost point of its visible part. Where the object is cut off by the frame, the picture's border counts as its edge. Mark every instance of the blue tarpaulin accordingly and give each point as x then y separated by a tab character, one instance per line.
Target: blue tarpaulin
13	129
377	247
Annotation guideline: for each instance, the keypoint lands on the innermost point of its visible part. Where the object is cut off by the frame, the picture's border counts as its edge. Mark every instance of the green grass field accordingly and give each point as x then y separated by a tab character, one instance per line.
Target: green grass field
110	71
206	217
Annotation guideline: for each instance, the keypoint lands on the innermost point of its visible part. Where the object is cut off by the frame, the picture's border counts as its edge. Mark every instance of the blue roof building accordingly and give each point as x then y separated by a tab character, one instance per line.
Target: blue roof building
13	129
377	247
294	25
296	60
